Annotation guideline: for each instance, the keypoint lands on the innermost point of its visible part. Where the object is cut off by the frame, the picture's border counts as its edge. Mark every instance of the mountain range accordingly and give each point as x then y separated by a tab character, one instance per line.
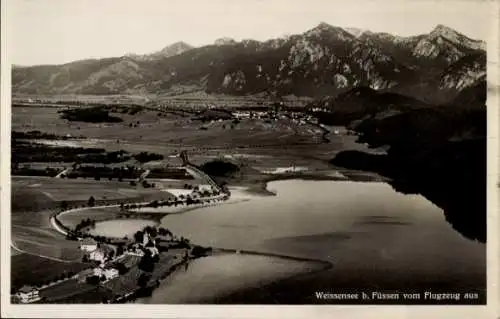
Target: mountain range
323	61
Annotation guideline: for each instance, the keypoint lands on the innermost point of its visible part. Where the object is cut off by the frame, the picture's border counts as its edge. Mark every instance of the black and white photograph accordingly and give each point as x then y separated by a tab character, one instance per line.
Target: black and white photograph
248	152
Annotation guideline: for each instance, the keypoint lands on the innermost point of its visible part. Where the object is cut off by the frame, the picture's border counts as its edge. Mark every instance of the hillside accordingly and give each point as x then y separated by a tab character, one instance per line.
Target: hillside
438	152
323	61
362	103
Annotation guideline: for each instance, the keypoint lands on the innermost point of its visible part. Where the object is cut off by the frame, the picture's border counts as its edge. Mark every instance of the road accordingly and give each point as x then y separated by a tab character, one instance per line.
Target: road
193	170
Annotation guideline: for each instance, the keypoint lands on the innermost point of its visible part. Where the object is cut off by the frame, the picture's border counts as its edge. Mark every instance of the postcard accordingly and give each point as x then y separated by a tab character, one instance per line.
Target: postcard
250	159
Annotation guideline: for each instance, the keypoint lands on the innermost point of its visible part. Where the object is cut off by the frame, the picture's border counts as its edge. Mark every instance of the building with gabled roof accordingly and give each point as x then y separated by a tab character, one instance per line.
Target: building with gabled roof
28	294
88	244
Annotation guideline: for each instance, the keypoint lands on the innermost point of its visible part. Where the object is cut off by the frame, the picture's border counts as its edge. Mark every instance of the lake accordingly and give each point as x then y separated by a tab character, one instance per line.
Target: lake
374	237
120	228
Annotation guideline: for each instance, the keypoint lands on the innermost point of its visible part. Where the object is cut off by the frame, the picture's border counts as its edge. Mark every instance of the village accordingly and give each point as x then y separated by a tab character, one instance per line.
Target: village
129	263
120	269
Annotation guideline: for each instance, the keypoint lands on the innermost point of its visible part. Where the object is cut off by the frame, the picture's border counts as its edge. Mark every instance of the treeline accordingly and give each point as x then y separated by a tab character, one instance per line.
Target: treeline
26	152
98	172
144	157
188	200
174	173
220	168
28	171
92	115
85	223
39	135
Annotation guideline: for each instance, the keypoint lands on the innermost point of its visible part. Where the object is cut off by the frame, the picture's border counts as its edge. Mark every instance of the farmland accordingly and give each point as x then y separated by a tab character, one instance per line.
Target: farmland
168	133
35	199
28	269
65	289
254	145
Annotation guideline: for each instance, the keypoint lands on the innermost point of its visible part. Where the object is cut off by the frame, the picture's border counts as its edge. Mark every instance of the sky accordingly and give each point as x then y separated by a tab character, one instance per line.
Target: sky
60	31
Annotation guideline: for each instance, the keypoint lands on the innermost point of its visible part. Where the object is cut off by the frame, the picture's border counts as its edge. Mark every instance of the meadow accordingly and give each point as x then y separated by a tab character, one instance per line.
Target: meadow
28	269
167	133
36	199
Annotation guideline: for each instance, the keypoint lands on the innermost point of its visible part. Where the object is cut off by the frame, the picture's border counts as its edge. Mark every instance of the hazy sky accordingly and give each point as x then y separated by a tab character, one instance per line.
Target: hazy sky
59	31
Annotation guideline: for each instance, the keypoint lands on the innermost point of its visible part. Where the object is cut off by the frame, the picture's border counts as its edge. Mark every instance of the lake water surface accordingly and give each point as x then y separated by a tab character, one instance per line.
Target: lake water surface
120	228
373	236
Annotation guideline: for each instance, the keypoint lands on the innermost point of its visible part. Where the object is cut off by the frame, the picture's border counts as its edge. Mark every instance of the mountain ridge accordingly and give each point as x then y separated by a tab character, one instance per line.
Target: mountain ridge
322	61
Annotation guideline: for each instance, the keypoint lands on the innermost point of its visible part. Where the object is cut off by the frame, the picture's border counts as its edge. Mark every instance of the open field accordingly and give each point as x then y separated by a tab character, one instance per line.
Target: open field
36	199
33	270
252	142
65	289
77	190
169	130
93	296
185	96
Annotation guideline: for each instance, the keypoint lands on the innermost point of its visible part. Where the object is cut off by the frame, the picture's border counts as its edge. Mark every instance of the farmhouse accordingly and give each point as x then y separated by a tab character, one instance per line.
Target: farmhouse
88	244
109	273
28	294
98	255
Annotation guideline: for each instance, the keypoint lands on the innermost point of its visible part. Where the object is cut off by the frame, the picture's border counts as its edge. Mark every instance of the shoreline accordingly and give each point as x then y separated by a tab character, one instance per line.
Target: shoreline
260	187
257	188
322	265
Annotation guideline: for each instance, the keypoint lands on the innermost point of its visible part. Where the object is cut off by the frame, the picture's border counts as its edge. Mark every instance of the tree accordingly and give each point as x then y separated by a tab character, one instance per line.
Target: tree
143	280
64	205
91	201
162	231
147	229
139	236
119	250
153	232
122	269
147	262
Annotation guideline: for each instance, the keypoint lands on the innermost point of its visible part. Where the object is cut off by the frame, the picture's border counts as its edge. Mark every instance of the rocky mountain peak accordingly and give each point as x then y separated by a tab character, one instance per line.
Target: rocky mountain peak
324	29
175	49
225	41
455	37
356	31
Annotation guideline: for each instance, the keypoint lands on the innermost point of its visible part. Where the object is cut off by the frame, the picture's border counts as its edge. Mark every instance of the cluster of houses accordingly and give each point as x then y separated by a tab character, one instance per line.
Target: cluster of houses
148	244
99	254
28	294
105	272
96	253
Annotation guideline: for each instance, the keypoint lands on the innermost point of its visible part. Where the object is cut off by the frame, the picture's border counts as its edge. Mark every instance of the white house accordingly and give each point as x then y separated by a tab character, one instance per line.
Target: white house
109	272
97	255
28	294
88	244
136	252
